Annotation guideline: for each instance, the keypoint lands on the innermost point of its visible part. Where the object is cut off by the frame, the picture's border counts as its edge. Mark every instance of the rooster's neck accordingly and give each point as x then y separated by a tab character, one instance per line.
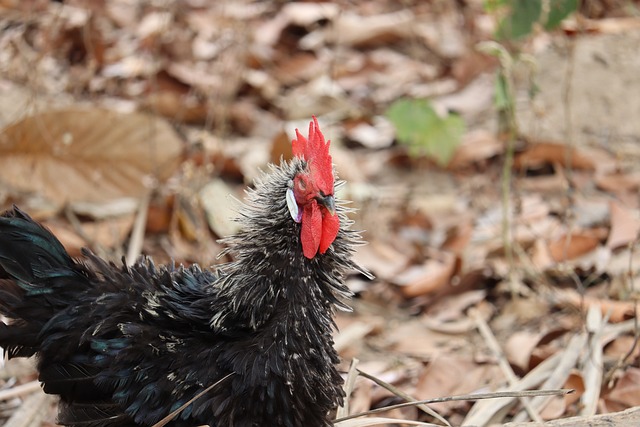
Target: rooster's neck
271	278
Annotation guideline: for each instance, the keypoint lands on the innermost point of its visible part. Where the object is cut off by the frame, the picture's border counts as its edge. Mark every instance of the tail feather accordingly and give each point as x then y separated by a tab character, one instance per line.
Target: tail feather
37	280
30	254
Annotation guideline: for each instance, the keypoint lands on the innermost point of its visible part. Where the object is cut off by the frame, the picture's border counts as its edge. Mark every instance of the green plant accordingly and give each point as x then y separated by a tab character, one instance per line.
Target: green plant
520	16
423	131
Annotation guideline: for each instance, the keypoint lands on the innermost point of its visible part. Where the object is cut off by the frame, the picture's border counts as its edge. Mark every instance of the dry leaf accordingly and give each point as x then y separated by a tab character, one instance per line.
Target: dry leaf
627	389
617	311
573	246
351	29
614	25
476	146
620	347
380	133
217	199
450	376
544	153
619	182
428	277
415	338
519	347
87	154
540	255
625	226
381	259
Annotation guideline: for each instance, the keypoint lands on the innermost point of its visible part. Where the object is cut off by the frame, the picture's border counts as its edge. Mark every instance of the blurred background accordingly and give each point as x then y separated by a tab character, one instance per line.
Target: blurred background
490	147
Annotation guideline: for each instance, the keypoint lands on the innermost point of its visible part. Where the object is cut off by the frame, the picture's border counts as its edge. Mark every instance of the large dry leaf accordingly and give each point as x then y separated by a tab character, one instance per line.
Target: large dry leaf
87	154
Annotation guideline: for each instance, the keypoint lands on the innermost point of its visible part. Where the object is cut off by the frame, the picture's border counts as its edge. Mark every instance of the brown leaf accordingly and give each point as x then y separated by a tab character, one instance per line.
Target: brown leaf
428	277
381	259
449	376
105	233
540	255
573	246
619	182
616	310
297	69
476	146
280	148
627	389
542	153
519	347
621	347
416	339
159	215
356	30
625	226
87	154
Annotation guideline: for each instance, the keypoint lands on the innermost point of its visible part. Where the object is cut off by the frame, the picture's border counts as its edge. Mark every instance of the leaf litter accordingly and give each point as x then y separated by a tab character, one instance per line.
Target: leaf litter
107	104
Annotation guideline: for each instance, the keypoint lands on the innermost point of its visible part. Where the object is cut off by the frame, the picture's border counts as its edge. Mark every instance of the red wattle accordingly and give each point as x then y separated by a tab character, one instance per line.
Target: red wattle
330	227
311	233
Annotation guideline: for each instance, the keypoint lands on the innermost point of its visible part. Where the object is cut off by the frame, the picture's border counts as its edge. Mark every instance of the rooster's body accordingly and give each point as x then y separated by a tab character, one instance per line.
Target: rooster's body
126	346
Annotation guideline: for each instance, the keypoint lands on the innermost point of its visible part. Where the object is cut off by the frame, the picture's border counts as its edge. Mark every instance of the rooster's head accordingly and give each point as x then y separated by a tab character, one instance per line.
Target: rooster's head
310	194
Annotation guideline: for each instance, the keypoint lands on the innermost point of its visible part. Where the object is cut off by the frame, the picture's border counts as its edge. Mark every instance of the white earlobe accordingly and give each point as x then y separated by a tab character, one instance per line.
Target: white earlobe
293	206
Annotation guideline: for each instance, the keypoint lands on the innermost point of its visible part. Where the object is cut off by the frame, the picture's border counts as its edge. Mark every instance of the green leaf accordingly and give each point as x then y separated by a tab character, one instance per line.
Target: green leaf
519	22
423	131
559	10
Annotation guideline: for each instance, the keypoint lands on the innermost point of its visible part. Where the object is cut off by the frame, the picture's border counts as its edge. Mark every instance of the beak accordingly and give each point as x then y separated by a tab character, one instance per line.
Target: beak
329	202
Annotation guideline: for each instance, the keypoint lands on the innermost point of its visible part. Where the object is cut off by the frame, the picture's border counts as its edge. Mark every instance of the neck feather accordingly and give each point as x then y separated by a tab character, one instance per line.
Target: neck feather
271	276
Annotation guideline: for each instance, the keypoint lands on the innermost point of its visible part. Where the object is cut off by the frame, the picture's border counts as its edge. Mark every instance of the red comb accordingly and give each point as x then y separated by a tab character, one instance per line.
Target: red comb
315	151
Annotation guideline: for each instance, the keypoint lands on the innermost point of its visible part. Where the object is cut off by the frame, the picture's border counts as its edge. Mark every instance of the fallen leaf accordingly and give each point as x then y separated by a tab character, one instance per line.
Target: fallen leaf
87	154
615	25
627	389
416	339
381	259
617	311
350	29
625	226
217	199
379	134
544	153
519	346
428	277
475	146
621	347
573	246
557	405
619	182
110	232
450	376
540	255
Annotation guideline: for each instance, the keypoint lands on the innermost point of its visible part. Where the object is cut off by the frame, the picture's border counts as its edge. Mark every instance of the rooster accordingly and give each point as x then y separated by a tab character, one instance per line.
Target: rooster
249	344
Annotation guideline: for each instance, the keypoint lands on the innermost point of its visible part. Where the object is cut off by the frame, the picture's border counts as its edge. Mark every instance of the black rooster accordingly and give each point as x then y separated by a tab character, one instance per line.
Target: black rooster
126	346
